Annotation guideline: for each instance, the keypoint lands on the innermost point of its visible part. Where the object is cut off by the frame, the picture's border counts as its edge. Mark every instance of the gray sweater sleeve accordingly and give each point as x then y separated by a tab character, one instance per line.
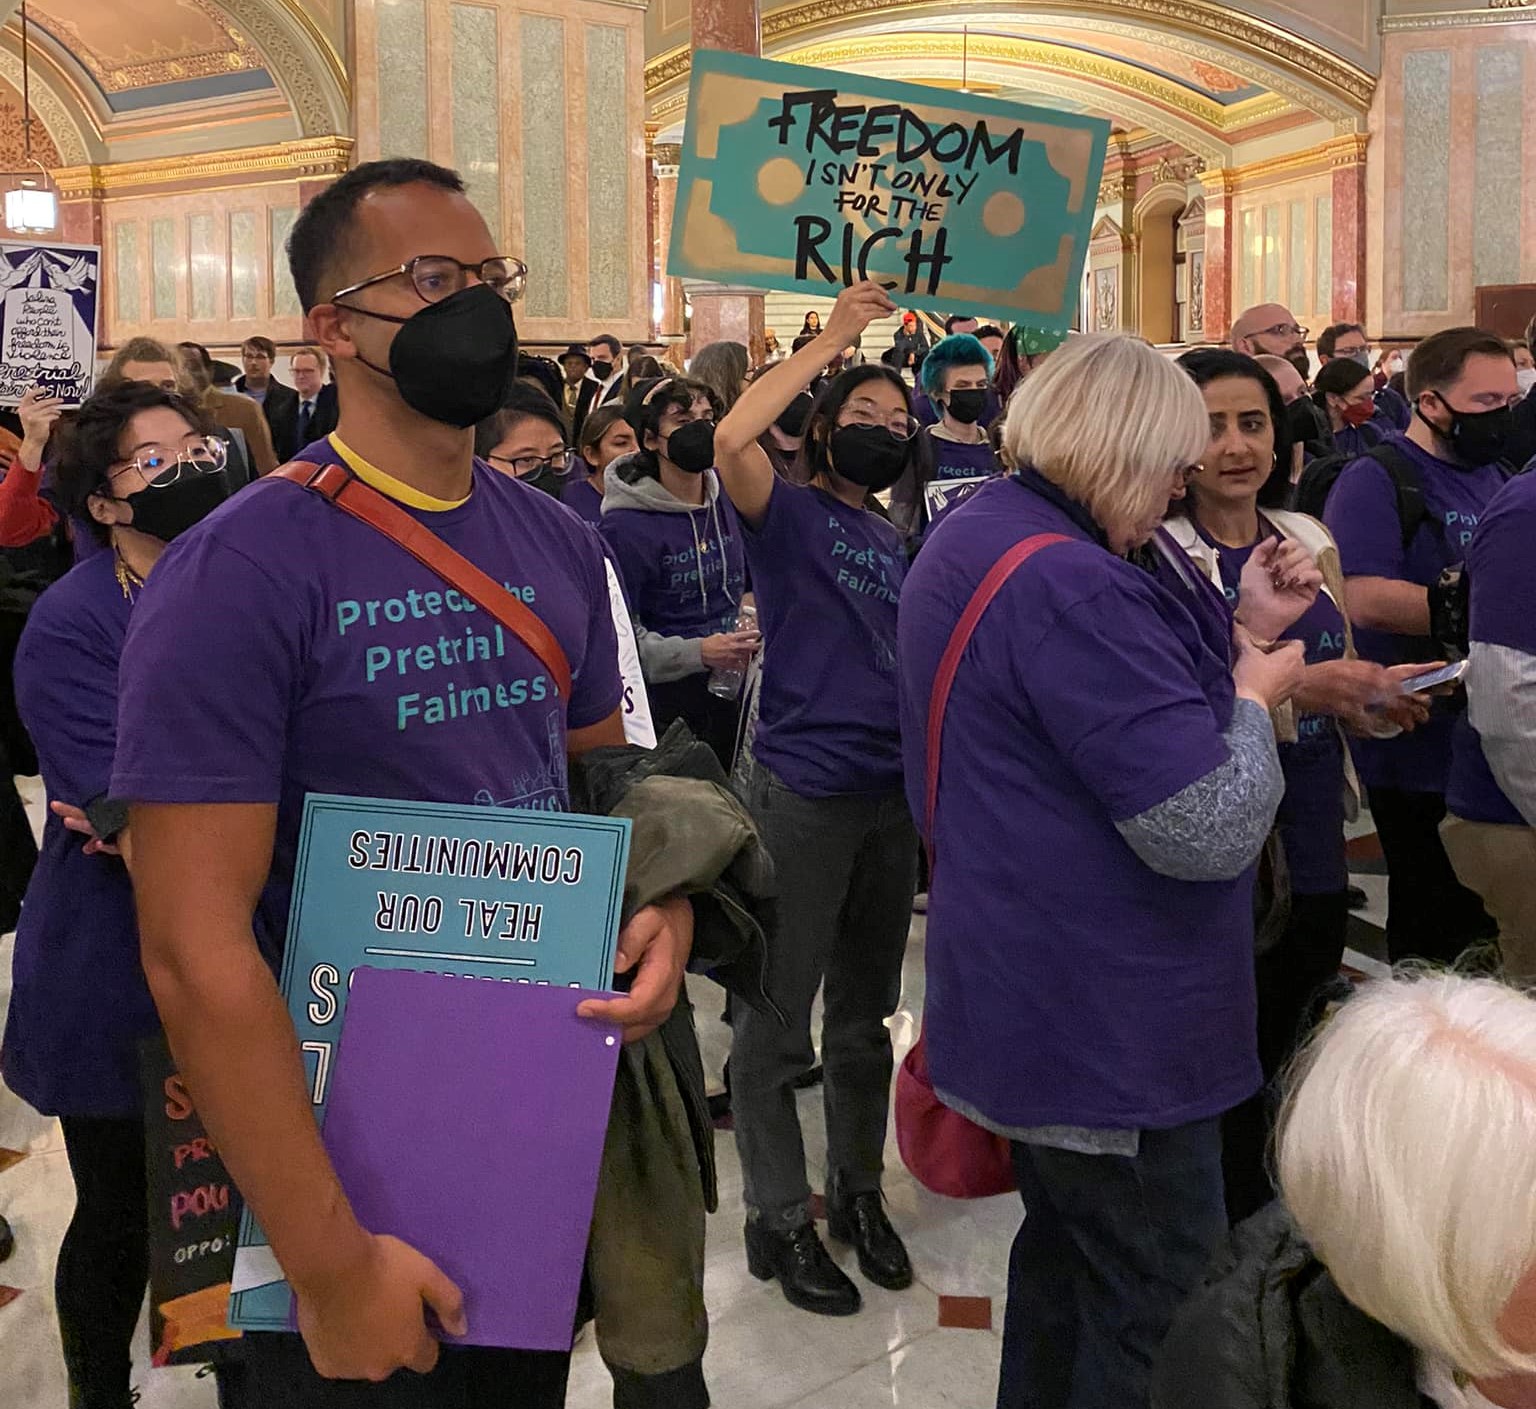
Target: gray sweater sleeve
1214	829
667	658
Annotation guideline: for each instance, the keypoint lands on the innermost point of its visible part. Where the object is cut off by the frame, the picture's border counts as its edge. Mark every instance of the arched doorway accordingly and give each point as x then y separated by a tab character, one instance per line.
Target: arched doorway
1159	272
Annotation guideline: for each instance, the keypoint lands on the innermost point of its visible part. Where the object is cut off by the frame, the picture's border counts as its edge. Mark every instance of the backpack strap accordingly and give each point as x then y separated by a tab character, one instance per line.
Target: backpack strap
338	485
1412	511
949	663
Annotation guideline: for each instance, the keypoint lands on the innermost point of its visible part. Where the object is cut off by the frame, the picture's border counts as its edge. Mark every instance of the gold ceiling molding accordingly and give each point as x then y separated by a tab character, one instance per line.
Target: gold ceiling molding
1338	152
315	157
1311	64
1460	19
1026	53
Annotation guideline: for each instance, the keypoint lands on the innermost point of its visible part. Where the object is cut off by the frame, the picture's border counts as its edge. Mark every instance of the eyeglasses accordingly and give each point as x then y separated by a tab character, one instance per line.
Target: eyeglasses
161	467
1283	330
526	465
439	276
866	413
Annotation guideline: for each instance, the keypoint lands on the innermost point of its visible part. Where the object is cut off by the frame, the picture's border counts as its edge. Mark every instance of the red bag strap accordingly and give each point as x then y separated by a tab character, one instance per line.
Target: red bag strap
949	665
347	492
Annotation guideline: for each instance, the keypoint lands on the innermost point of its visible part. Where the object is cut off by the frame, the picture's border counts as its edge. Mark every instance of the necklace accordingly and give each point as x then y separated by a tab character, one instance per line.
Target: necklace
127	578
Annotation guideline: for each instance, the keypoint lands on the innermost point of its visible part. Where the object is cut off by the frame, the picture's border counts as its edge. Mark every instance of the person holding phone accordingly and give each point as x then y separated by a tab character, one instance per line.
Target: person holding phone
1109	777
1234	505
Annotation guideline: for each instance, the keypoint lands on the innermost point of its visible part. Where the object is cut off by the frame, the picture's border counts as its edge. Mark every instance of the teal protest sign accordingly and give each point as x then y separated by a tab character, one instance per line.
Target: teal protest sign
804	179
484	892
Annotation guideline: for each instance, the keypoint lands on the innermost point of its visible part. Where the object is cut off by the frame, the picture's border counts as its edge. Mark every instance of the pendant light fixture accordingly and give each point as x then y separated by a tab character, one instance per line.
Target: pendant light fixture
31	198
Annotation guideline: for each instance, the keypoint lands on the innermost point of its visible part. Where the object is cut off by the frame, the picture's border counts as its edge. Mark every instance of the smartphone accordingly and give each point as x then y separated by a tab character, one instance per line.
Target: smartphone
1433	679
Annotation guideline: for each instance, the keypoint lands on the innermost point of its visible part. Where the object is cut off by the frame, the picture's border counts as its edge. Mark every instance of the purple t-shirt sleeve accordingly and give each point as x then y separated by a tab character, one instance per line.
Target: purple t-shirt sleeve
597	685
210	672
1114	690
65	694
1362	516
1499	564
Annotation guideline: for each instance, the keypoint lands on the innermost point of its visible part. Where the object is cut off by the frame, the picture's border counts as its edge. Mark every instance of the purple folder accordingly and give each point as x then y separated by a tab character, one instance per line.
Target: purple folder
467	1117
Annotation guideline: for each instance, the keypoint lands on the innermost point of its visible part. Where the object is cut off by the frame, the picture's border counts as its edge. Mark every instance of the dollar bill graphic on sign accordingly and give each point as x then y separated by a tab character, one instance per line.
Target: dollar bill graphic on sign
805	179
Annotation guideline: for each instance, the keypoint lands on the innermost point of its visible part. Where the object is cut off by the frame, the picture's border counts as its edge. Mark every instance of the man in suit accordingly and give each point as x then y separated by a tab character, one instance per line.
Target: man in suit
315	407
603	380
278	402
575	363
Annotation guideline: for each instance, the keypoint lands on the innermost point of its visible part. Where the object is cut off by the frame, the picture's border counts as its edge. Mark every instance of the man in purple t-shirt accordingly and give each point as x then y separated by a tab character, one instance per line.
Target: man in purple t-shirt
286	648
1462	384
1491	832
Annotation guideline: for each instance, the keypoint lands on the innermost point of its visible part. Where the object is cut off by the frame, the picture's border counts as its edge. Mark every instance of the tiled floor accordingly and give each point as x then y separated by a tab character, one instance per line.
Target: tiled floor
763	1353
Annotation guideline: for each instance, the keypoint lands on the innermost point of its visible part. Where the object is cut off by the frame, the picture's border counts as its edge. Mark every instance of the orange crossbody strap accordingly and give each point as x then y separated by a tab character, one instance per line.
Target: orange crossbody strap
347	492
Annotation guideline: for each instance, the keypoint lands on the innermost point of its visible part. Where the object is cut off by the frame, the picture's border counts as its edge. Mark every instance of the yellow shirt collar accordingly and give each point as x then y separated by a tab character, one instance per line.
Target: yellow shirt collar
398	490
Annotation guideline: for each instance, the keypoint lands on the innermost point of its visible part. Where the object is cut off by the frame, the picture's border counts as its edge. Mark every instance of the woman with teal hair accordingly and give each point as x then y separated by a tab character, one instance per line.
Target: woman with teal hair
957	377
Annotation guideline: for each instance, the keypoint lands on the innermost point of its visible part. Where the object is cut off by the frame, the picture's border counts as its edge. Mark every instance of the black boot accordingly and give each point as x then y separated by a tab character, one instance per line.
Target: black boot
7	1241
860	1219
806	1272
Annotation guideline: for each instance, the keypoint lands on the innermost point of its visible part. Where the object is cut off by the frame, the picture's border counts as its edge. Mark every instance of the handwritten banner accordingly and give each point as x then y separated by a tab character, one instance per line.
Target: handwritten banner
803	179
48	307
485	892
193	1215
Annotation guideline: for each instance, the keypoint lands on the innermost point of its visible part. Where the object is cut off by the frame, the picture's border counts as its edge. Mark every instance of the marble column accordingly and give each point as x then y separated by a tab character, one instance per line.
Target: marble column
671	327
722	312
1349	231
80	220
1218	254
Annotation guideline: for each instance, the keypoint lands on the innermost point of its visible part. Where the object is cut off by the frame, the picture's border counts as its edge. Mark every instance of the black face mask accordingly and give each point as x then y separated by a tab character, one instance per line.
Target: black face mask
602	369
547	478
1302	417
1301	362
793	417
967	405
453	361
869	456
1478	437
169	512
692	447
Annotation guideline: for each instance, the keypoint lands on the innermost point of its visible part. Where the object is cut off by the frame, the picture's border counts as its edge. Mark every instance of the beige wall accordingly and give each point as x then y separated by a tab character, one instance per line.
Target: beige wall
1451	184
1282	247
205	268
540	104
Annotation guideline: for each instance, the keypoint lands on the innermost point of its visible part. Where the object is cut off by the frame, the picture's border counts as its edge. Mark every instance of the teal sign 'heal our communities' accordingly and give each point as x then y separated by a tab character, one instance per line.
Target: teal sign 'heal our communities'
799	178
480	892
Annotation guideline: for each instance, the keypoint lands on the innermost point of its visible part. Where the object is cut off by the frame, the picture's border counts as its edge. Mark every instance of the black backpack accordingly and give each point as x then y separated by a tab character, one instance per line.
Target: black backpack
1450	597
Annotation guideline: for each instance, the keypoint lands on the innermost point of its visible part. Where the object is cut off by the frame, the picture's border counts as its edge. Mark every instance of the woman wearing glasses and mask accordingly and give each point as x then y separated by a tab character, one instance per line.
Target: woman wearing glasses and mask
526	439
826	792
677	541
139	466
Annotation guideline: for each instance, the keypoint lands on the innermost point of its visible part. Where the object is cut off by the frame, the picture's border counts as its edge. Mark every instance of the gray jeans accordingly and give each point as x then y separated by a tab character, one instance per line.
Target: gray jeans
847	867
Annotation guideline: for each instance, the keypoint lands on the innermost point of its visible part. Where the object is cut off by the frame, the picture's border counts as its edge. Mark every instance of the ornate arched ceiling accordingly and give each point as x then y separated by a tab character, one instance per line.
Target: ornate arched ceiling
104	67
1195	71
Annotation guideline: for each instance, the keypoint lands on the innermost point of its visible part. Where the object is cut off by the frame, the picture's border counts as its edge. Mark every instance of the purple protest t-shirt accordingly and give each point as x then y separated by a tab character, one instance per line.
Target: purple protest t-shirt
685	573
1362	516
955	460
285	648
1311	817
79	1002
827	580
1068	983
1500	564
584	498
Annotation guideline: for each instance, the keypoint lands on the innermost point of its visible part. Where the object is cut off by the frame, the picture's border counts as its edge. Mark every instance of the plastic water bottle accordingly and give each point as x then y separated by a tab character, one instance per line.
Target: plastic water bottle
726	683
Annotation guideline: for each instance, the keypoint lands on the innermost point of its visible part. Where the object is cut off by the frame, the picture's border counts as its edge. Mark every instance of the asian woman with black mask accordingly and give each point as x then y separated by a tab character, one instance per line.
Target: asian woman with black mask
678	544
826	791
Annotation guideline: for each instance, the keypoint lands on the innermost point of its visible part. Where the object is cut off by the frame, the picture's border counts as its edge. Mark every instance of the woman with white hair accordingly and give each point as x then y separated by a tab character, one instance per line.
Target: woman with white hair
1090	987
1400	1271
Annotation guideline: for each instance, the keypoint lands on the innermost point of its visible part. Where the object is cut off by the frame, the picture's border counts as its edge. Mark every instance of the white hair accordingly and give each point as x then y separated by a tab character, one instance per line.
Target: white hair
1407	1153
1109	419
